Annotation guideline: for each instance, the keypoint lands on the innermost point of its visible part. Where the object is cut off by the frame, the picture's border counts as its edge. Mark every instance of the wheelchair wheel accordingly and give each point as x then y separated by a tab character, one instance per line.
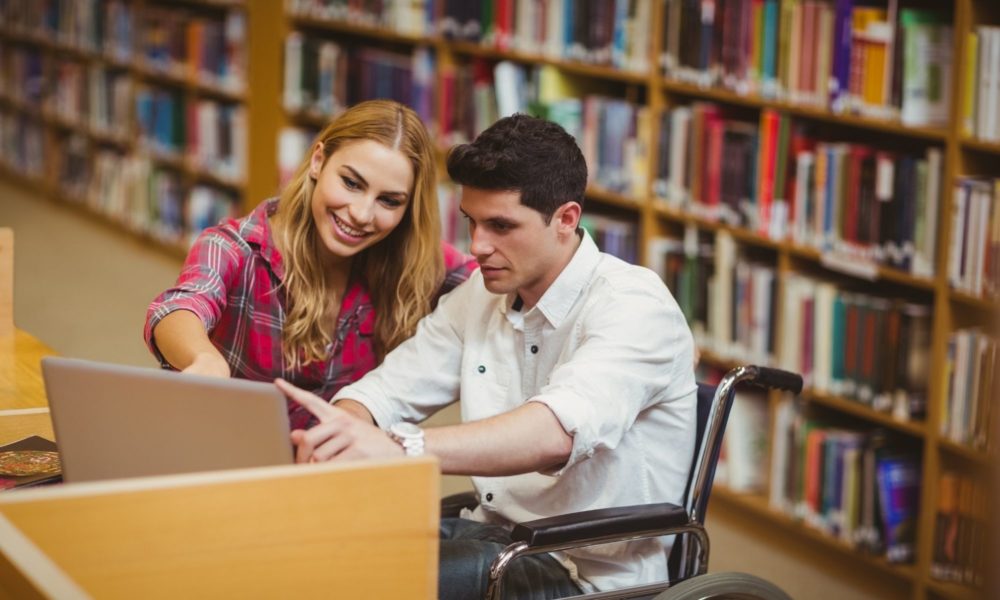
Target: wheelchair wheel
739	586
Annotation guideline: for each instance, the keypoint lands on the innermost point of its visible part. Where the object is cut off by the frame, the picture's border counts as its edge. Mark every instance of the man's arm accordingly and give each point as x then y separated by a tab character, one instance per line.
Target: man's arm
526	439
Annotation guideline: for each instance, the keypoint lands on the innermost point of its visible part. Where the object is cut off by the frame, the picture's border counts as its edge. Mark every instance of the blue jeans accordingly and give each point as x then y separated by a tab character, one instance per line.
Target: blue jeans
468	548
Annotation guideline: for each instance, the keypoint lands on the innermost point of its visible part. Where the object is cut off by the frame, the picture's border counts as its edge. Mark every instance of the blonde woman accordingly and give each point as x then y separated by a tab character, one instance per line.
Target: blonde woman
318	285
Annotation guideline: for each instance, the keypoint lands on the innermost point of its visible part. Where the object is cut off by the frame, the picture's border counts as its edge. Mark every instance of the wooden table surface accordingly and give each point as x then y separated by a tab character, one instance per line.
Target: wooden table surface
23	405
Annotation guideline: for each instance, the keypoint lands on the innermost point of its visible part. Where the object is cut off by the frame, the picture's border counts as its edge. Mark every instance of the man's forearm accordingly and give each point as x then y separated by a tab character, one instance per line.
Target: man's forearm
357	409
527	439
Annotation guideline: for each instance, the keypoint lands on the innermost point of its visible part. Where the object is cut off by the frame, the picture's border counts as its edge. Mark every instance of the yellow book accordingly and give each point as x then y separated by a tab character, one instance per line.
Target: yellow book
971	73
756	47
554	85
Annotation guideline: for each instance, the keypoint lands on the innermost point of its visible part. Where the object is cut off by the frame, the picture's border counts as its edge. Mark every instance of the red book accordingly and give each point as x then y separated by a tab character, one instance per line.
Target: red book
712	167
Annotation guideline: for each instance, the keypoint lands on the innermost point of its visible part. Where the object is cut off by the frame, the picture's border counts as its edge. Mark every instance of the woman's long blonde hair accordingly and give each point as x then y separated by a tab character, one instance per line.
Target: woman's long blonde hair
402	272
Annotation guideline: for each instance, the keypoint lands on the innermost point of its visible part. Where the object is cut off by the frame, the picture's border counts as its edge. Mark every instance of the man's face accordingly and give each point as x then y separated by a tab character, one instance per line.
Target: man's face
516	250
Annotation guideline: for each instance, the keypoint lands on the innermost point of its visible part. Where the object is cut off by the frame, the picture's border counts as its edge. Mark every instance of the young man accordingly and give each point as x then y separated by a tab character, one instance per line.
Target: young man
573	369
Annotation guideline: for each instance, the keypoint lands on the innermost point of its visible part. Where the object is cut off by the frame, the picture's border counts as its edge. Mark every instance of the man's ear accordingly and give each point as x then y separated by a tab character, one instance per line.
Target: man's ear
316	161
567	218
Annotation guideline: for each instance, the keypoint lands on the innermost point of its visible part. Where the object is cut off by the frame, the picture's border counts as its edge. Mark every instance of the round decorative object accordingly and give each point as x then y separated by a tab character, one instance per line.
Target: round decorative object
20	463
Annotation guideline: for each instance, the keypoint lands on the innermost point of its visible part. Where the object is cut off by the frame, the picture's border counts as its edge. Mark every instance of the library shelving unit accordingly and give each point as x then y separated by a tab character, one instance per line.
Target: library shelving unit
657	92
137	112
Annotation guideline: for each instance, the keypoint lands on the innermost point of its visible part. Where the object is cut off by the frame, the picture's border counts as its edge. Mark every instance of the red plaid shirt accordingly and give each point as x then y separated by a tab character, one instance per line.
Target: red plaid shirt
232	281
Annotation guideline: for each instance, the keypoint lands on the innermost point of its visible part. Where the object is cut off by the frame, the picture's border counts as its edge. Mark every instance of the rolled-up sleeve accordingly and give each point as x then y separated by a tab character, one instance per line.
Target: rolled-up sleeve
634	348
422	374
202	285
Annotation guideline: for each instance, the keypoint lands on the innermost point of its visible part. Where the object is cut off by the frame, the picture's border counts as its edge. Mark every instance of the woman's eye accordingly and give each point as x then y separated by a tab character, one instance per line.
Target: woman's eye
350	183
390	202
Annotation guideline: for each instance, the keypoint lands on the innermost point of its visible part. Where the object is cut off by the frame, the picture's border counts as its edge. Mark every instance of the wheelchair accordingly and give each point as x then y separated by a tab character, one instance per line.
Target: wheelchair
688	560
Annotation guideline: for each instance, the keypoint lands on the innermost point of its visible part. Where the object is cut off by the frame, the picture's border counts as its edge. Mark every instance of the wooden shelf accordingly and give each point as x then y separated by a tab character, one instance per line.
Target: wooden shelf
966	453
855	408
757	506
612	198
188	82
360	29
579	68
974	301
970	143
308	118
954	591
805	111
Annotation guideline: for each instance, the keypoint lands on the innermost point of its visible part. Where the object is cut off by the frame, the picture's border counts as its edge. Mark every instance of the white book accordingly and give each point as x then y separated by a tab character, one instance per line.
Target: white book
508	78
791	324
293	71
958	387
984	81
993	101
746	442
783	421
823	336
980	224
721	301
554	39
805	164
680	124
763	279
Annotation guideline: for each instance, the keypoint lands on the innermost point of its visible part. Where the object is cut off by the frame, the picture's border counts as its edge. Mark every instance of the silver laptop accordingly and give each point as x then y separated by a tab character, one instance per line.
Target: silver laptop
114	421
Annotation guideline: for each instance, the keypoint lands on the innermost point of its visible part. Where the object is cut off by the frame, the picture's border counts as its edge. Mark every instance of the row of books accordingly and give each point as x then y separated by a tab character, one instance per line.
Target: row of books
778	178
618	237
323	77
23	75
981	106
211	134
103	26
727	297
973	386
872	349
604	32
857	486
974	256
22	144
408	17
880	61
611	131
153	200
205	48
961	529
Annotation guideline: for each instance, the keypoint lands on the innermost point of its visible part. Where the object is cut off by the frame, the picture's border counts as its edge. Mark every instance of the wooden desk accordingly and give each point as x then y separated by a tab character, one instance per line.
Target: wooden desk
23	405
21	373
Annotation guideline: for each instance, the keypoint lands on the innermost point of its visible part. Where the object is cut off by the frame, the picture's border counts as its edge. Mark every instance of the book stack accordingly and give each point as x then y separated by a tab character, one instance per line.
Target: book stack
974	256
408	17
600	32
961	530
216	138
317	73
109	98
872	349
21	144
210	51
67	100
971	371
884	62
853	201
615	236
980	116
159	113
857	486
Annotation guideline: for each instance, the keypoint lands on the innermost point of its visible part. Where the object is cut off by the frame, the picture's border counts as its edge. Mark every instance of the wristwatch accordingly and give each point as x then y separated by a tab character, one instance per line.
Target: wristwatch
409	436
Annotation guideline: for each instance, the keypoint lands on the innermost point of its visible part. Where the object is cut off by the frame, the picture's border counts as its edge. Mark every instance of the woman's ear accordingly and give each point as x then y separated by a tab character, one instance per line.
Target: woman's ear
316	161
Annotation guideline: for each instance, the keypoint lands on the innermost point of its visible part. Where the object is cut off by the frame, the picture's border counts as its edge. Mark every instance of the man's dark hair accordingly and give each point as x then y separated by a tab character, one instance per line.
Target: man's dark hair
525	154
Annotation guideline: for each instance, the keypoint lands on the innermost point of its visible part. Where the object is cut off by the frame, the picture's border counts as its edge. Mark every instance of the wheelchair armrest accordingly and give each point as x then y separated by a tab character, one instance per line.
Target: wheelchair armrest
590	526
451	506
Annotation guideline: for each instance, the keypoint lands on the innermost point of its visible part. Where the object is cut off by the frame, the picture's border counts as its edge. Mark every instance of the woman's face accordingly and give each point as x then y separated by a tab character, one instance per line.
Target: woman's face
361	194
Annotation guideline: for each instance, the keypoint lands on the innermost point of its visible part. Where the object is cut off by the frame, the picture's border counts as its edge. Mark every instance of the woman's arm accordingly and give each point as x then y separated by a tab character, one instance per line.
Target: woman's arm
183	342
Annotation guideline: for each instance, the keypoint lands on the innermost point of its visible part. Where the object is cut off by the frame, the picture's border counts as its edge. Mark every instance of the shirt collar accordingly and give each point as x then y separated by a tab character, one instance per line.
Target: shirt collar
256	230
559	299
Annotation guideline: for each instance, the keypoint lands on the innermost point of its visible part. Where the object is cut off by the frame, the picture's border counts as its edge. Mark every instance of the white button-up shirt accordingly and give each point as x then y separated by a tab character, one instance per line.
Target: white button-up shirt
608	350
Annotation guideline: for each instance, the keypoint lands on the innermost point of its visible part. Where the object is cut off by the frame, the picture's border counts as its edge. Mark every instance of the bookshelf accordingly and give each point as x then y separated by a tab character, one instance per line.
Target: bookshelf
115	79
655	86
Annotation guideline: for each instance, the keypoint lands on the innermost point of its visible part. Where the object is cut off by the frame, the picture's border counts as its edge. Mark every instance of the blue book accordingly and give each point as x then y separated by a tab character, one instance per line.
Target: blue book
899	494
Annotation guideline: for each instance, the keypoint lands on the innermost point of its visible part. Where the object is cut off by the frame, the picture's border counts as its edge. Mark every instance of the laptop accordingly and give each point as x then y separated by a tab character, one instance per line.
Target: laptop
114	421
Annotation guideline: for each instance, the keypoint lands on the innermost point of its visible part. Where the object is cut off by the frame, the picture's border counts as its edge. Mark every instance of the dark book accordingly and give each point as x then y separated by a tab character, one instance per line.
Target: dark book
36	443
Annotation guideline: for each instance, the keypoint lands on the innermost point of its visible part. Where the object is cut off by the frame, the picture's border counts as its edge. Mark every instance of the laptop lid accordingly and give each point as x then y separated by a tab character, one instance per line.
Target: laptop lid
114	421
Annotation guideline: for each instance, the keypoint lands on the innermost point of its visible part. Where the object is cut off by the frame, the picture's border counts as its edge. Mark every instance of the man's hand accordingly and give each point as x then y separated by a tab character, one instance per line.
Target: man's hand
339	434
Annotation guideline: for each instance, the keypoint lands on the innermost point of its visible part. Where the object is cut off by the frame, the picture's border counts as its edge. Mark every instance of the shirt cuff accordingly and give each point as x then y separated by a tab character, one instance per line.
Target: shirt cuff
574	417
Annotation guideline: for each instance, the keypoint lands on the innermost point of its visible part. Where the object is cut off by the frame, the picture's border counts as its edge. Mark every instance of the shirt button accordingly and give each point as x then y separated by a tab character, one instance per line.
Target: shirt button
481	369
489	497
534	349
